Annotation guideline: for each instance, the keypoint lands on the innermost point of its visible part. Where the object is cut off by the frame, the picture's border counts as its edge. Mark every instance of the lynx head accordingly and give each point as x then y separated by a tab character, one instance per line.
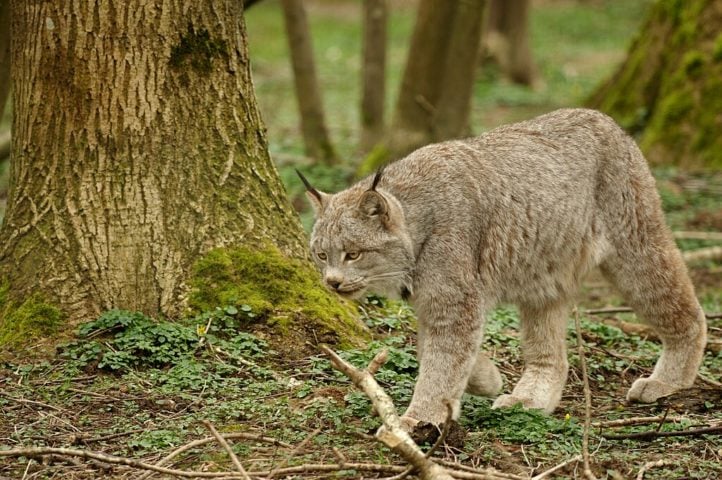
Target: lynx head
360	241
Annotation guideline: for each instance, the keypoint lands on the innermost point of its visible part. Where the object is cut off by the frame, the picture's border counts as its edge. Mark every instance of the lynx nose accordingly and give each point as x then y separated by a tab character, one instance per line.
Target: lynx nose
333	282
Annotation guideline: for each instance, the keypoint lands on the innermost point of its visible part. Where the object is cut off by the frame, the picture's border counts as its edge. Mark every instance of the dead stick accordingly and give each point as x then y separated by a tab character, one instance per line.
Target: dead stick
392	435
587	398
611	310
222	441
649	465
203	441
112	459
698	235
652	434
632	421
295	451
546	473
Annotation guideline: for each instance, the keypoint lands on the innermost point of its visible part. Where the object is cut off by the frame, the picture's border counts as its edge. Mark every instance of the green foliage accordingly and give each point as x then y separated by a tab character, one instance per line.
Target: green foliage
517	424
133	340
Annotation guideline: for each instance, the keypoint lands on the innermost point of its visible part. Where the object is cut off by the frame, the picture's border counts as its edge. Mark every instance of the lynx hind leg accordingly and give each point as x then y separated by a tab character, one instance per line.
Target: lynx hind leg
485	379
543	332
654	281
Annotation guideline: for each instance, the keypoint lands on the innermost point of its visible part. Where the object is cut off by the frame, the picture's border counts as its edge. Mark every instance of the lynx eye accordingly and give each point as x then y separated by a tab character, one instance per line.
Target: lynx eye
321	256
352	255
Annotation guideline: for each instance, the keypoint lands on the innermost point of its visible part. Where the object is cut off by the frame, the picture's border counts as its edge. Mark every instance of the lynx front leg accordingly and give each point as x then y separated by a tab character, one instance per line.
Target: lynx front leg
450	333
543	332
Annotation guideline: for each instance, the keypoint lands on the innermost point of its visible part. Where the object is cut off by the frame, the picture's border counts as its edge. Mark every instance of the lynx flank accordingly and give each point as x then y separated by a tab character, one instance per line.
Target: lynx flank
519	214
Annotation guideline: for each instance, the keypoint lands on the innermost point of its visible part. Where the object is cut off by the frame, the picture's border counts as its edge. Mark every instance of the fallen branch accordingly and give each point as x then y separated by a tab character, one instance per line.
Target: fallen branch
222	441
715	236
546	473
649	465
393	435
203	441
713	345
652	434
587	399
295	451
709	253
634	421
611	310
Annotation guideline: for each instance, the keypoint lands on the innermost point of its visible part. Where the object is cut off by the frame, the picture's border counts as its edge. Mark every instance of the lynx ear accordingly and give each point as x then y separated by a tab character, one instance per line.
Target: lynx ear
373	204
318	199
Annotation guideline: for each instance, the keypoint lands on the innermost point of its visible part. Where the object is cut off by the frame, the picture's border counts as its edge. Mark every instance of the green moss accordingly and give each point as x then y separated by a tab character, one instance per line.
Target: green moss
197	49
717	49
378	156
27	320
693	62
284	293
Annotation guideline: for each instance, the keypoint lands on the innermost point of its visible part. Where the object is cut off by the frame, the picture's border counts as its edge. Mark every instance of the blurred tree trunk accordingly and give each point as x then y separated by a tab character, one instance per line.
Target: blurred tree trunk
454	106
373	72
137	148
506	39
435	94
667	91
4	72
313	125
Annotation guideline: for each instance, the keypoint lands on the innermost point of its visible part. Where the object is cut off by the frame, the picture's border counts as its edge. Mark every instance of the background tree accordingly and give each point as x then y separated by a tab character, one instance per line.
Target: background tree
668	89
4	72
435	93
142	179
506	39
313	124
373	69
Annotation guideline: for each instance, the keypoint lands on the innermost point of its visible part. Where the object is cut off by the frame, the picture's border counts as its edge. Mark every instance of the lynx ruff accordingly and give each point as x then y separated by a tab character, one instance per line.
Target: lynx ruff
519	214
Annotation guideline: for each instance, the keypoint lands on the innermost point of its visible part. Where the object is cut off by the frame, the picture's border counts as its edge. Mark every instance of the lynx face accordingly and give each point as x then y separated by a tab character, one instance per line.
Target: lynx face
360	243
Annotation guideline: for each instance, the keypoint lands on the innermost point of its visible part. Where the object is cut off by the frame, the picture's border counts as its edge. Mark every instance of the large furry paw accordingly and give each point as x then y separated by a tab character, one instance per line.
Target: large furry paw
648	390
509	400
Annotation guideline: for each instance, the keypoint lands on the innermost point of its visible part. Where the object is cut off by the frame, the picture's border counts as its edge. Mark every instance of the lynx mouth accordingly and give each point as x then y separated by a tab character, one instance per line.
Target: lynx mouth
352	293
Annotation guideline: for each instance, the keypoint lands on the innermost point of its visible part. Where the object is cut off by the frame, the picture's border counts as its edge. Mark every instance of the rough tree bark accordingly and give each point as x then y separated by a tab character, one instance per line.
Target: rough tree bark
313	124
373	72
437	70
4	53
506	39
137	149
667	91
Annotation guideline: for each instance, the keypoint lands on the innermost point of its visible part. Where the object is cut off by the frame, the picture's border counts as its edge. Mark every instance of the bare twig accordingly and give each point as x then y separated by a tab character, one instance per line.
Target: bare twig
295	451
611	310
546	473
222	441
652	434
716	236
203	441
30	402
392	435
632	421
709	253
649	465
587	398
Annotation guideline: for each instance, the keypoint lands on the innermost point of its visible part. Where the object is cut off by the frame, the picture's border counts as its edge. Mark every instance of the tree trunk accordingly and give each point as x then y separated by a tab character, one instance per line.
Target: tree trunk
506	39
423	77
437	81
137	149
313	125
4	56
452	115
373	72
667	91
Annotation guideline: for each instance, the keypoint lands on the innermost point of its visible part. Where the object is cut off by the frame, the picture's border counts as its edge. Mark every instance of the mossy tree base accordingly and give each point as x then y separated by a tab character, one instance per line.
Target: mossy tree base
667	92
284	295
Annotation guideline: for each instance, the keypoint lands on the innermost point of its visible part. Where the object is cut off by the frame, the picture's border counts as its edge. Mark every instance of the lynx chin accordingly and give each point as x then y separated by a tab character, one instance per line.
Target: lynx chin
520	215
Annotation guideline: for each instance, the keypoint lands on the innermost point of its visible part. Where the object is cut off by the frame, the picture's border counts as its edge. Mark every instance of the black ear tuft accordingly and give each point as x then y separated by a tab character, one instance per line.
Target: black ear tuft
377	178
309	187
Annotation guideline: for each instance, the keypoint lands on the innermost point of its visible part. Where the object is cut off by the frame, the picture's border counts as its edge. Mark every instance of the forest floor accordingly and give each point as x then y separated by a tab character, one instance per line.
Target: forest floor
139	389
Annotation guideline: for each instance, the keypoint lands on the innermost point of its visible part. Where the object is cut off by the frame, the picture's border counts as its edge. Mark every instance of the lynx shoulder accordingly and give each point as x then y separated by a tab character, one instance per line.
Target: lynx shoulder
519	214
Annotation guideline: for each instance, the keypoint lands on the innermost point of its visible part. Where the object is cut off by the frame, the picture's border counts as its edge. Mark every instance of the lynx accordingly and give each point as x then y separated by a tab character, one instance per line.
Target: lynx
519	214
